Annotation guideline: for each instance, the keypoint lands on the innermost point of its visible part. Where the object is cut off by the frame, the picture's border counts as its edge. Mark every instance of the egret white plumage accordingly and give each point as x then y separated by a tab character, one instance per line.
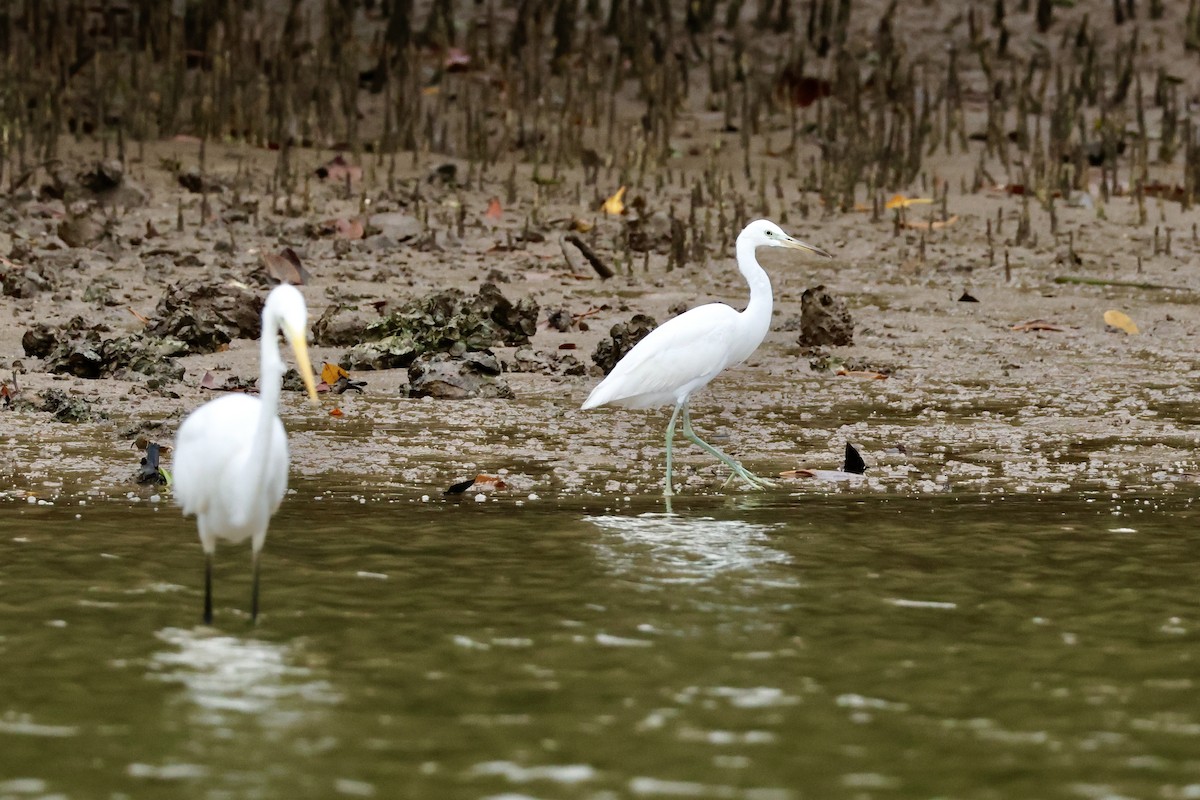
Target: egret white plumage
682	355
231	454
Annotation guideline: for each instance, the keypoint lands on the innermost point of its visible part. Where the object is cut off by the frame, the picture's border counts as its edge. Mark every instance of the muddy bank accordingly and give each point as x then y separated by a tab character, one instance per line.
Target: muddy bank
979	358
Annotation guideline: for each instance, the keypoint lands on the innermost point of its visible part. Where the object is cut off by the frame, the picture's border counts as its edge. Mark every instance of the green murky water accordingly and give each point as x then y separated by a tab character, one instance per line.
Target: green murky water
765	648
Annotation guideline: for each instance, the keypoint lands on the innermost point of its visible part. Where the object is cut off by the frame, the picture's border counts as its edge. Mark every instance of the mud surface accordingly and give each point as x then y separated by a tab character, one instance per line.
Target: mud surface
940	394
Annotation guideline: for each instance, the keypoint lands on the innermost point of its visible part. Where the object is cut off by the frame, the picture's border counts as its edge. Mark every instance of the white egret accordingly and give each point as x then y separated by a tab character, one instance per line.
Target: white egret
683	354
231	454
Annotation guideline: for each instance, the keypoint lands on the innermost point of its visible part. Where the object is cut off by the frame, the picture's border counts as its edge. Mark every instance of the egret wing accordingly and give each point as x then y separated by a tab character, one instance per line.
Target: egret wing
674	360
209	441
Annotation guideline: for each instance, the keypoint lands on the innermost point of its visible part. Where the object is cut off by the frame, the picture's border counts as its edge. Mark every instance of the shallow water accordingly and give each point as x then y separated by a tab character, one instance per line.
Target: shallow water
761	647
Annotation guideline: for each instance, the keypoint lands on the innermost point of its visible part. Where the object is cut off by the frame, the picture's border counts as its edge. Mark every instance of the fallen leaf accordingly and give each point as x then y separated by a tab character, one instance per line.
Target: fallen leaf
1167	191
580	225
615	205
803	90
209	381
933	225
900	201
862	373
331	372
285	267
967	297
140	318
338	169
459	488
336	412
854	463
348	228
494	211
1121	320
490	481
456	60
1037	325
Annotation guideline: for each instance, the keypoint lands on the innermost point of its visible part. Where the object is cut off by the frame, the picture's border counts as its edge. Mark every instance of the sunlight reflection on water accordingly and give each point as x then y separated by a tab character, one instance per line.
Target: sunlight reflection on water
689	549
247	676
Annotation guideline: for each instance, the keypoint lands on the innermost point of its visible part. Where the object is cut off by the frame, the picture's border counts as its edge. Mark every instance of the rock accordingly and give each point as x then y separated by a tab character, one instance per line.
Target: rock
824	319
66	408
448	321
395	225
208	315
342	324
442	375
561	319
103	177
622	337
79	231
25	282
78	349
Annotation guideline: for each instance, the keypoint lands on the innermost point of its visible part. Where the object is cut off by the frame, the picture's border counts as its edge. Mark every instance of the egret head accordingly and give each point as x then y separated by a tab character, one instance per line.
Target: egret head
764	233
286	308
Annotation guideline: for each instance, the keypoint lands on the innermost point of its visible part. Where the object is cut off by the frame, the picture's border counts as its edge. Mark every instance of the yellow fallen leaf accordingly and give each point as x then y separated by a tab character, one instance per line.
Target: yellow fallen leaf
614	204
331	372
1119	319
900	201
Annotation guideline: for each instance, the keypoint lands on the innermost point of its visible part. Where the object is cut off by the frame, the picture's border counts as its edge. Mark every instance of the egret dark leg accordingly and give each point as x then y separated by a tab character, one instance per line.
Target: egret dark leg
668	489
254	589
208	559
743	473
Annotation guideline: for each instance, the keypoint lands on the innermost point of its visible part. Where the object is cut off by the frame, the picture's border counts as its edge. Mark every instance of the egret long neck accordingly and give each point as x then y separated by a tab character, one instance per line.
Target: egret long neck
756	319
270	382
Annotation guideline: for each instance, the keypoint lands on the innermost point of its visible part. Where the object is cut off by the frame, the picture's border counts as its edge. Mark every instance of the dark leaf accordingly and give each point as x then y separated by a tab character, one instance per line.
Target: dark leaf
459	488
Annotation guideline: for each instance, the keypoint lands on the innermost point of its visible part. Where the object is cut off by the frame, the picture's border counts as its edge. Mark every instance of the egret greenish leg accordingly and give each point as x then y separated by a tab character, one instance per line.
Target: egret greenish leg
668	489
746	475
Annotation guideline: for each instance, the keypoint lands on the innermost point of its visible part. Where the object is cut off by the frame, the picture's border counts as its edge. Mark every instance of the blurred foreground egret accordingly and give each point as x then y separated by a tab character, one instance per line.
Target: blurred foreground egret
685	353
231	457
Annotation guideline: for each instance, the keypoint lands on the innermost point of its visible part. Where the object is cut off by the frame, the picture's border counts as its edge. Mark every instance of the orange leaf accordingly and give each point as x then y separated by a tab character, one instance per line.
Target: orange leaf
492	481
494	211
1121	320
336	412
331	372
615	204
900	201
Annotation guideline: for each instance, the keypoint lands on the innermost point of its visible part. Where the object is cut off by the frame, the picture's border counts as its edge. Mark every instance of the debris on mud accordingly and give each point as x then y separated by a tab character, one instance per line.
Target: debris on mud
343	324
150	471
824	319
448	321
526	359
25	281
66	407
442	375
622	337
206	316
78	349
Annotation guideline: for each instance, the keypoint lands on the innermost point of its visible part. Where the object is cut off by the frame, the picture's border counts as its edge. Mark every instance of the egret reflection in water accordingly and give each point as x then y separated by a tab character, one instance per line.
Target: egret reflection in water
679	549
227	675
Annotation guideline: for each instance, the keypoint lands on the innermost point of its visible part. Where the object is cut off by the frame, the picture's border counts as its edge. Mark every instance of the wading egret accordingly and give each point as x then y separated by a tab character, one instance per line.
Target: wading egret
231	456
683	354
